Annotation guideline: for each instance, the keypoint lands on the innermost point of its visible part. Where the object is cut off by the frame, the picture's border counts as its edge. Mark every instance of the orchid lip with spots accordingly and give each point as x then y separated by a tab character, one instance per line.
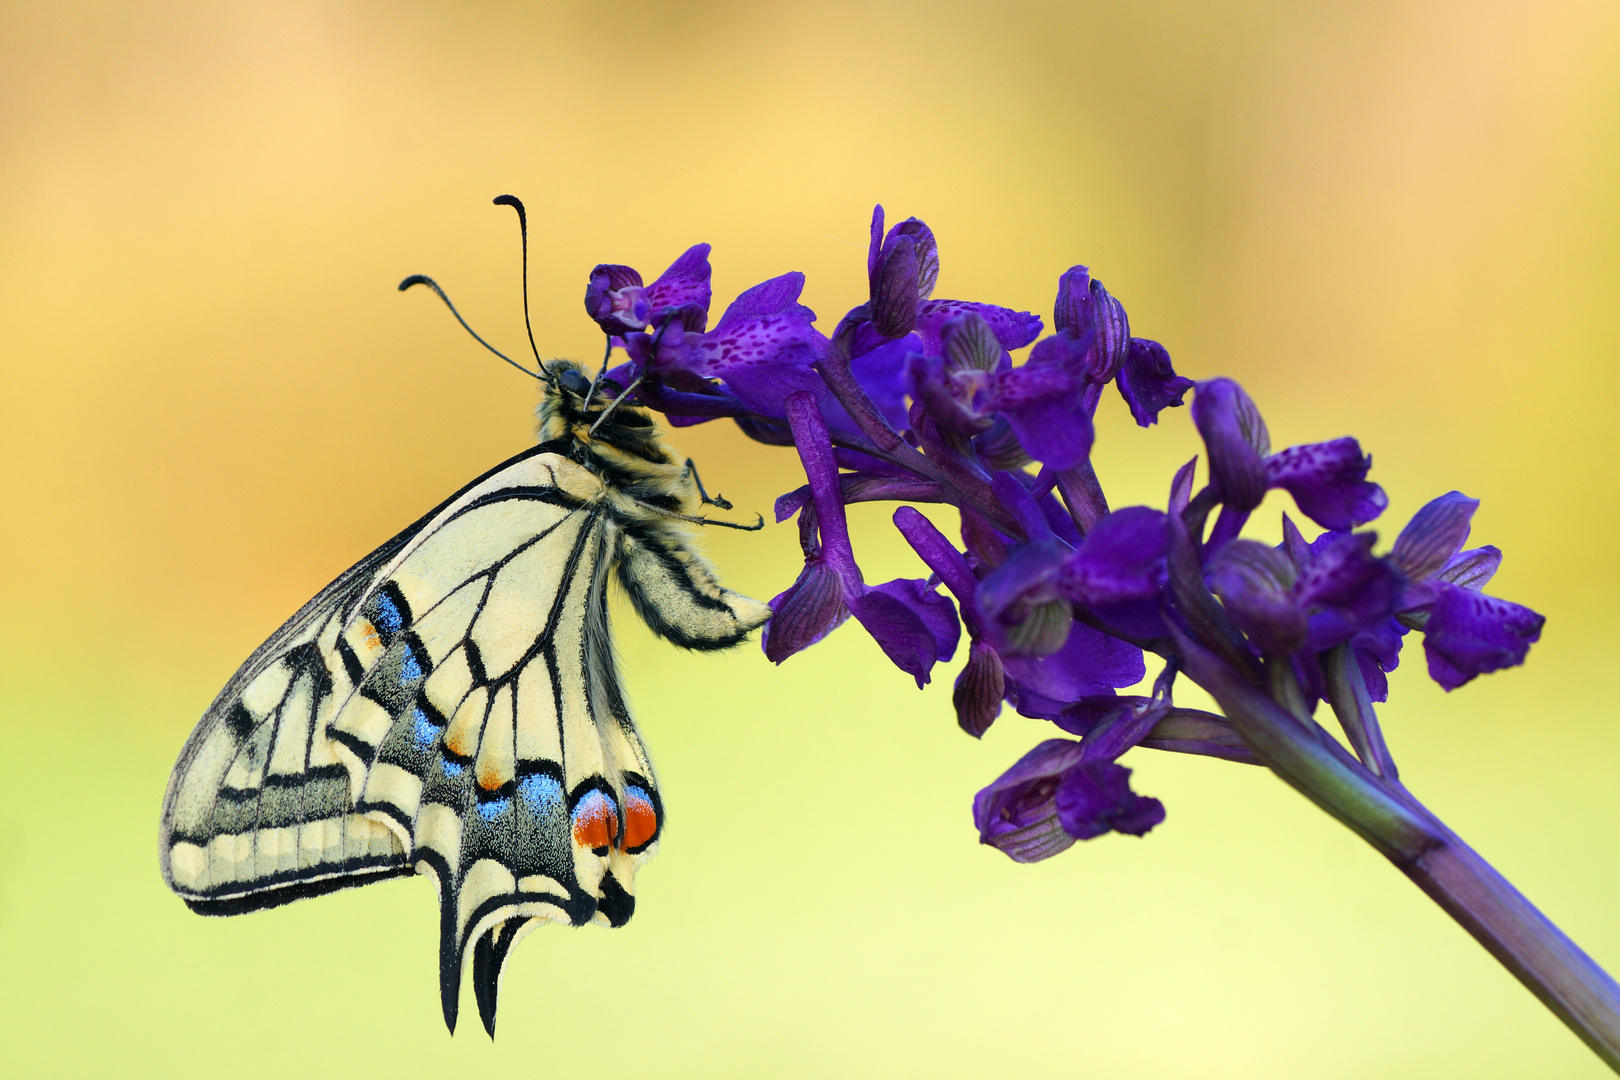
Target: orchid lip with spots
1065	599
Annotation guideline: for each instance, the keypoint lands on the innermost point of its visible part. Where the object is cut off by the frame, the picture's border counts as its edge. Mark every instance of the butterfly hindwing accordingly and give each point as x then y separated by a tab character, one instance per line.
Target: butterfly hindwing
462	717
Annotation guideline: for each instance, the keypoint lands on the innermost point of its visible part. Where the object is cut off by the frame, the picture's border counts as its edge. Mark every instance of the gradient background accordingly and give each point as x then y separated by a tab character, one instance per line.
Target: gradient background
1398	220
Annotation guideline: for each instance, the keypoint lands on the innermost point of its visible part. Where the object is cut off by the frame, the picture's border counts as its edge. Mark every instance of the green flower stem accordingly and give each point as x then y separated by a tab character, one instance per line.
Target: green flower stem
1347	693
1570	983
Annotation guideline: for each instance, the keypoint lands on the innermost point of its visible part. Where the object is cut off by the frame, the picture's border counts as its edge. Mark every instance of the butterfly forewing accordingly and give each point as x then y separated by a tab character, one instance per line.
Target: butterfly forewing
451	706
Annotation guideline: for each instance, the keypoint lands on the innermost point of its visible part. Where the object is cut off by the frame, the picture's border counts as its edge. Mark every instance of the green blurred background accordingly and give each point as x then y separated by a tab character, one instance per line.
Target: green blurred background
1399	220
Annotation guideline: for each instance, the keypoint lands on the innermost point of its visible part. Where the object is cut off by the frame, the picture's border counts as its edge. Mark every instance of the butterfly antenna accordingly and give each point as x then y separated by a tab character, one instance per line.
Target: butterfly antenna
523	231
423	279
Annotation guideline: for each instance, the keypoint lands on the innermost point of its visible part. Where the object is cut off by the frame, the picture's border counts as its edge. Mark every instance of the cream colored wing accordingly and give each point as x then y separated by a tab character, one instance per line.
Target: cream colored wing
451	706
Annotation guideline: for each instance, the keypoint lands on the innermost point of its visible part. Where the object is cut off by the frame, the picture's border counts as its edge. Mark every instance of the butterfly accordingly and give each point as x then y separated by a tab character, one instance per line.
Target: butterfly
450	705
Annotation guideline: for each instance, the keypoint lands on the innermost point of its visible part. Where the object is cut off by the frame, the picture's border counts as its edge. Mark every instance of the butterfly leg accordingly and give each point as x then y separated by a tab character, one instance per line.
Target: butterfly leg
719	500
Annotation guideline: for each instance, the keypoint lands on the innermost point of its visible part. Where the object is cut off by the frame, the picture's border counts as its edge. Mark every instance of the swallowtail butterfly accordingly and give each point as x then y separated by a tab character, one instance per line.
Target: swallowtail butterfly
449	706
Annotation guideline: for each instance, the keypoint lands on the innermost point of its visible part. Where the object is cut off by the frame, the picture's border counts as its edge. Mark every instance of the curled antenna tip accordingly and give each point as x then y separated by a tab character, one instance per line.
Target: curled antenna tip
415	279
510	200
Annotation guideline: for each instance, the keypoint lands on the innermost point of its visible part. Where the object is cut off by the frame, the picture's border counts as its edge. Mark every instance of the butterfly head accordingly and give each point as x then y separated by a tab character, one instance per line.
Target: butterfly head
594	422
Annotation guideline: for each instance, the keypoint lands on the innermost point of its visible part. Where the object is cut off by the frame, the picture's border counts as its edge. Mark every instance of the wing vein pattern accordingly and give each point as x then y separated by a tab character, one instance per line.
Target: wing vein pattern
450	706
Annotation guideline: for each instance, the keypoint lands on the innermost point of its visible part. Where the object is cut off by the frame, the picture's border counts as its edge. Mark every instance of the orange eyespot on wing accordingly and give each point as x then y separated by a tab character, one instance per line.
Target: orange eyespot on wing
596	820
641	817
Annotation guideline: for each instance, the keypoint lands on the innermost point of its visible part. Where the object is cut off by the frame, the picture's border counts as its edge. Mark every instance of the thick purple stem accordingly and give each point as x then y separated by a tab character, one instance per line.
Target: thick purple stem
1570	983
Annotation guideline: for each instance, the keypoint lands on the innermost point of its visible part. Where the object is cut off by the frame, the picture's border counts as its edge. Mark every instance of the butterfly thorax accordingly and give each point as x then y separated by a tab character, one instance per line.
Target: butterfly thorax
623	449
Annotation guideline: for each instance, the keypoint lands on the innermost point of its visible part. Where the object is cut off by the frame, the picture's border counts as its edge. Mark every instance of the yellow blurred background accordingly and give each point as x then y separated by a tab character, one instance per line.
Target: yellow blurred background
1399	220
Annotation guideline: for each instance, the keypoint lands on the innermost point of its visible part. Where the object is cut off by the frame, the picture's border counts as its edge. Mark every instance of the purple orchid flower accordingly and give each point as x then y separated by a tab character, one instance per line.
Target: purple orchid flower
1301	597
616	299
1063	791
914	625
1328	480
1465	633
965	389
1084	310
1086	662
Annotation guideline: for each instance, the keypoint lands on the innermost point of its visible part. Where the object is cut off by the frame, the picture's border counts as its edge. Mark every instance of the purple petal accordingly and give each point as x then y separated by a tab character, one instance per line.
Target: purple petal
1378	650
1082	717
1017	813
1096	798
1121	559
1237	441
1014	329
1148	383
875	246
763	359
1071	313
899	631
1119	571
685	282
1090	662
810	609
1329	482
778	296
935	611
1434	535
1043	405
979	689
1471	634
1472	569
1346	588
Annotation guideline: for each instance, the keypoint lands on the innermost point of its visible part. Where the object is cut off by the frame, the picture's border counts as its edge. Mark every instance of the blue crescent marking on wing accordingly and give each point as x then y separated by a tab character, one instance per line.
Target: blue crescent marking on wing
388	617
540	791
423	729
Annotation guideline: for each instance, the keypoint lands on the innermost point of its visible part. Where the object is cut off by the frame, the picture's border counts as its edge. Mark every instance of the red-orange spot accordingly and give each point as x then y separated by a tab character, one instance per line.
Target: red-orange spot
640	822
596	824
368	634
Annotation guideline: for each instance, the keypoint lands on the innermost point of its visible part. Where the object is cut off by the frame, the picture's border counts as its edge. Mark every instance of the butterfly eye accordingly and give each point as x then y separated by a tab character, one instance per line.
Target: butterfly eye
574	383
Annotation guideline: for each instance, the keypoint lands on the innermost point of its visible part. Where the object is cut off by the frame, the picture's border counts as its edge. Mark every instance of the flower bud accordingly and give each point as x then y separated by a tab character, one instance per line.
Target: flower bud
927	254
1113	333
